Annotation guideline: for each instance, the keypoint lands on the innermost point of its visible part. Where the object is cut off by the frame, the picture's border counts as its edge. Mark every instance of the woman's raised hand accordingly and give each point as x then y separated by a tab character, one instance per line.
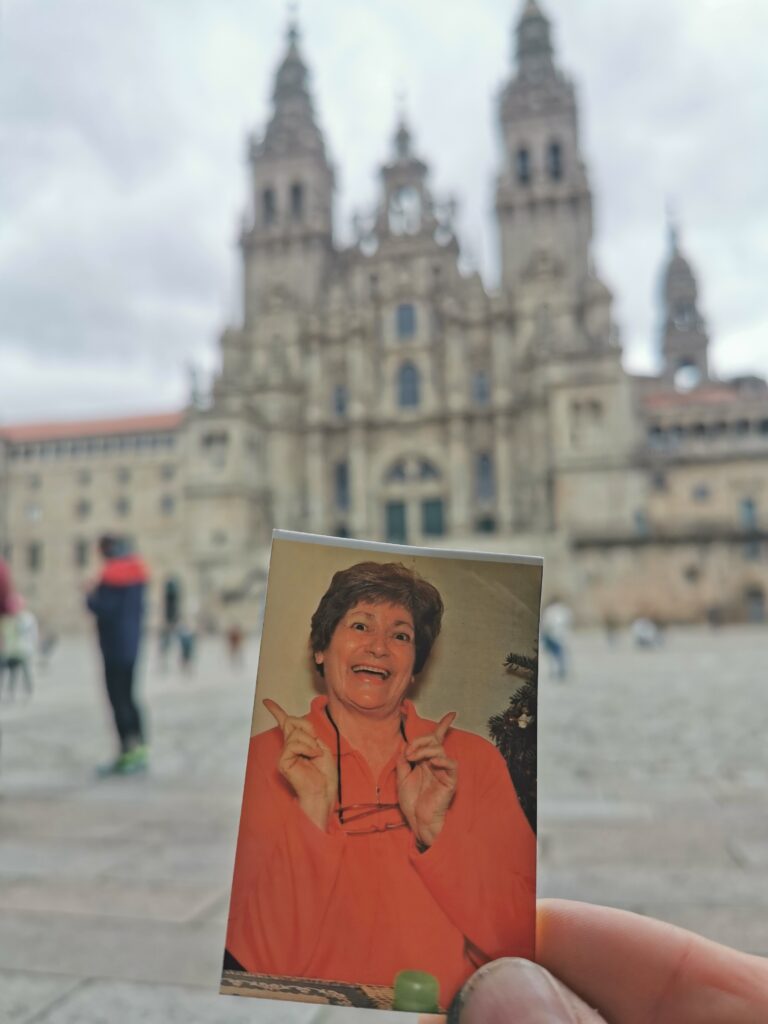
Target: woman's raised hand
426	782
307	764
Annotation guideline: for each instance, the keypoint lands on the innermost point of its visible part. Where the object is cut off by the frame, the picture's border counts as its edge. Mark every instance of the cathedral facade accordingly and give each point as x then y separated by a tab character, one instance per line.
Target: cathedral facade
377	390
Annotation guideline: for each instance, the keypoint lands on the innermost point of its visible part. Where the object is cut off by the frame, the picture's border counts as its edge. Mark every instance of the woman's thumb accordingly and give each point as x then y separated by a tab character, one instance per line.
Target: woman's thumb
516	991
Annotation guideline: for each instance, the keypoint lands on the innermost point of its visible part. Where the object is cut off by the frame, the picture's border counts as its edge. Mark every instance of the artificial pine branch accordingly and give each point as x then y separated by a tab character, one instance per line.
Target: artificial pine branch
514	731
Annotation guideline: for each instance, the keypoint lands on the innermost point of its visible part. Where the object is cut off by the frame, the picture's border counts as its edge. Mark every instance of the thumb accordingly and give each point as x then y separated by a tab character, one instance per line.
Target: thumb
517	991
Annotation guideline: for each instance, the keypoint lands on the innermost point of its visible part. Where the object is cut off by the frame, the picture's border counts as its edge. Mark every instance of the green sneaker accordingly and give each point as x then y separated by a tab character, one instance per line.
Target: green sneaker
129	763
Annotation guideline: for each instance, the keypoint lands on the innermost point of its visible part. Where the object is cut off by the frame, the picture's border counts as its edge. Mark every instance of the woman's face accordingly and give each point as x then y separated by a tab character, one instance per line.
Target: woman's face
368	664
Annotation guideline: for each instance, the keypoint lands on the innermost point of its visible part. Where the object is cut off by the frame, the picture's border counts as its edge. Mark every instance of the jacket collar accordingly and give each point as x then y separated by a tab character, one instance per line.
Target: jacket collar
413	723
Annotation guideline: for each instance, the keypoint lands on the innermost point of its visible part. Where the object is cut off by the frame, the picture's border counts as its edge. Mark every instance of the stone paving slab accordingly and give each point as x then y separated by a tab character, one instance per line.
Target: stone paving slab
114	894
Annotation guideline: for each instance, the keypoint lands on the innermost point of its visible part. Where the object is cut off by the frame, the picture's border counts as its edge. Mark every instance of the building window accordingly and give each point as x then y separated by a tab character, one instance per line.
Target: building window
340	400
82	509
701	492
396	472
167	504
523	166
395	526
659	480
428	470
408	386
406	320
341	530
486	524
215	439
481	388
341	485
122	507
432	518
748	513
81	552
641	523
297	201
485	484
34	556
268	206
555	161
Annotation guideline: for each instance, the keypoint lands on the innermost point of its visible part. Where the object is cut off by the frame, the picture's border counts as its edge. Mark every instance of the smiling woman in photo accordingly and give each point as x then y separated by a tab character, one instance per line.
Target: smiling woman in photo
373	840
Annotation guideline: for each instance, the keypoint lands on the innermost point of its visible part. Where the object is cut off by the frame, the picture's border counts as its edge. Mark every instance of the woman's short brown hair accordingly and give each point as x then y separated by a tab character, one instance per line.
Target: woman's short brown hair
380	583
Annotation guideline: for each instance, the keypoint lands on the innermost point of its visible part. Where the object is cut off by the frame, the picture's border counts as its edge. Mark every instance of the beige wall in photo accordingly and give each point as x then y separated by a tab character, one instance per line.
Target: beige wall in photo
491	608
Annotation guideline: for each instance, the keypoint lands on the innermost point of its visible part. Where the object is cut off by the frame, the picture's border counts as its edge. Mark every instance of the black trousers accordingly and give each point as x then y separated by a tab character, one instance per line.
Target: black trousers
119	679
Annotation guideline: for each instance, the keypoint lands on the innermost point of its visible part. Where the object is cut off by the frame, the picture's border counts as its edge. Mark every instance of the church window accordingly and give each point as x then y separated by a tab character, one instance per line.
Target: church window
81	552
341	484
34	556
297	200
555	161
748	513
486	524
523	166
408	386
395	522
268	206
641	522
481	388
432	517
485	484
122	506
167	504
340	400
428	470
396	472
406	320
659	480
83	509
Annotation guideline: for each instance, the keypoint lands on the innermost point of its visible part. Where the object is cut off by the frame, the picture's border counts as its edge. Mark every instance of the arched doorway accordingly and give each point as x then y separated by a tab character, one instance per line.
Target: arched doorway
414	507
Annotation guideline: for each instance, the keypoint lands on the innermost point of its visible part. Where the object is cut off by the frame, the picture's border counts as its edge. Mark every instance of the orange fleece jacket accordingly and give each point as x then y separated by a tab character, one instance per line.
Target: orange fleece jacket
307	903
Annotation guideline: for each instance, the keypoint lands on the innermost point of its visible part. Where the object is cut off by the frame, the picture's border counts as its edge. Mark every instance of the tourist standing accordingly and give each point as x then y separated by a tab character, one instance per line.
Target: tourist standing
117	601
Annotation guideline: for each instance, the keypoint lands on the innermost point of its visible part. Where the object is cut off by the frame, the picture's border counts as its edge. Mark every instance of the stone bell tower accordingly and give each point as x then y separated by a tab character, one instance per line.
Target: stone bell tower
543	200
287	240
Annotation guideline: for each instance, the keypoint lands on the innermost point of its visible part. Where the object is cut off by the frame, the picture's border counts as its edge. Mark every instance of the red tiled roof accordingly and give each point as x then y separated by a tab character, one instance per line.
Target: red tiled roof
91	428
699	396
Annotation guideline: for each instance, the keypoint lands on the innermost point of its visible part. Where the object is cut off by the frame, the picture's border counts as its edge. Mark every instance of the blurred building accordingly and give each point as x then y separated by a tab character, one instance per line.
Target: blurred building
375	390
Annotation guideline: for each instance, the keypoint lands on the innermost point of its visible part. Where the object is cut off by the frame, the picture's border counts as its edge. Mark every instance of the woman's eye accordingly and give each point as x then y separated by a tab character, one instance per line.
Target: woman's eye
358	625
403	636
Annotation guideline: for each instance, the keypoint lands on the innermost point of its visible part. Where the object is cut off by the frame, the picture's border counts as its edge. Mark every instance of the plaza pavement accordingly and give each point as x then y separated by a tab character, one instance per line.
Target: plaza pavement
113	894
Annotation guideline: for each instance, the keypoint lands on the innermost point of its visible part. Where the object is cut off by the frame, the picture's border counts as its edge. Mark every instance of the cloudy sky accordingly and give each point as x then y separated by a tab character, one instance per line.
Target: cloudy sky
122	174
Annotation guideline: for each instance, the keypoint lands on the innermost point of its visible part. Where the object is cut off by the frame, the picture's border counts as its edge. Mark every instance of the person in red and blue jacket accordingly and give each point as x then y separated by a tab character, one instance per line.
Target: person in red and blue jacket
117	601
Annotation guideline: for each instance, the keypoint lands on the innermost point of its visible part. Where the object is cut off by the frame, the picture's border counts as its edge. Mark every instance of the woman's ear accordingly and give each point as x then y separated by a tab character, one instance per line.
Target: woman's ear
319	657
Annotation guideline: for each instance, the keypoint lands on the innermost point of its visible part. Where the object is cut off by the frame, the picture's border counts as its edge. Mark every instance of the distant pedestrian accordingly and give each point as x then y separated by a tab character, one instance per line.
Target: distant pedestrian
18	643
117	601
555	629
645	632
6	589
235	644
169	631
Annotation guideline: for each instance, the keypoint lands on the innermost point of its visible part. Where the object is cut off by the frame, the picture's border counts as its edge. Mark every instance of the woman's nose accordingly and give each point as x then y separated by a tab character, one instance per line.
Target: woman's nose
377	644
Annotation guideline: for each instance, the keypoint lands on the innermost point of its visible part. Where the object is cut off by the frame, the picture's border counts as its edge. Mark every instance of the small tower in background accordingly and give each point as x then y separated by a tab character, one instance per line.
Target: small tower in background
684	339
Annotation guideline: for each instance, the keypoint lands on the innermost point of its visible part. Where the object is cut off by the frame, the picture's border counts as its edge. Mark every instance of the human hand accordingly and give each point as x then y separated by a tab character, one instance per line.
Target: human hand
307	764
633	969
426	782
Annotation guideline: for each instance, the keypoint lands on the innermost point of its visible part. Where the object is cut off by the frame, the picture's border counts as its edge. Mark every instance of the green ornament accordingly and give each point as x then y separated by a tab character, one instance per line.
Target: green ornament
417	992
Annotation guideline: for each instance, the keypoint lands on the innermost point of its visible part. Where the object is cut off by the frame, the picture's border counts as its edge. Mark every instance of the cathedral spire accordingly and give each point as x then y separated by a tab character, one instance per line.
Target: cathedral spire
535	54
684	339
293	125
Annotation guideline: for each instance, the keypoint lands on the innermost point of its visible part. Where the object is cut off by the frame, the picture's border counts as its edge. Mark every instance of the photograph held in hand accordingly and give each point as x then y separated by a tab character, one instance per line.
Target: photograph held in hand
376	838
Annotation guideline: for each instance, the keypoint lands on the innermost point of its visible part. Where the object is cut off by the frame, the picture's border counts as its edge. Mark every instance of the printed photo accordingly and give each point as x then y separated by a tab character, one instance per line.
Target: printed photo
387	845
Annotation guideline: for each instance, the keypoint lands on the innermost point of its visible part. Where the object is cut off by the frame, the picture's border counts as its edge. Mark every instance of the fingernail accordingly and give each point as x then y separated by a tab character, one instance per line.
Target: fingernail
517	991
